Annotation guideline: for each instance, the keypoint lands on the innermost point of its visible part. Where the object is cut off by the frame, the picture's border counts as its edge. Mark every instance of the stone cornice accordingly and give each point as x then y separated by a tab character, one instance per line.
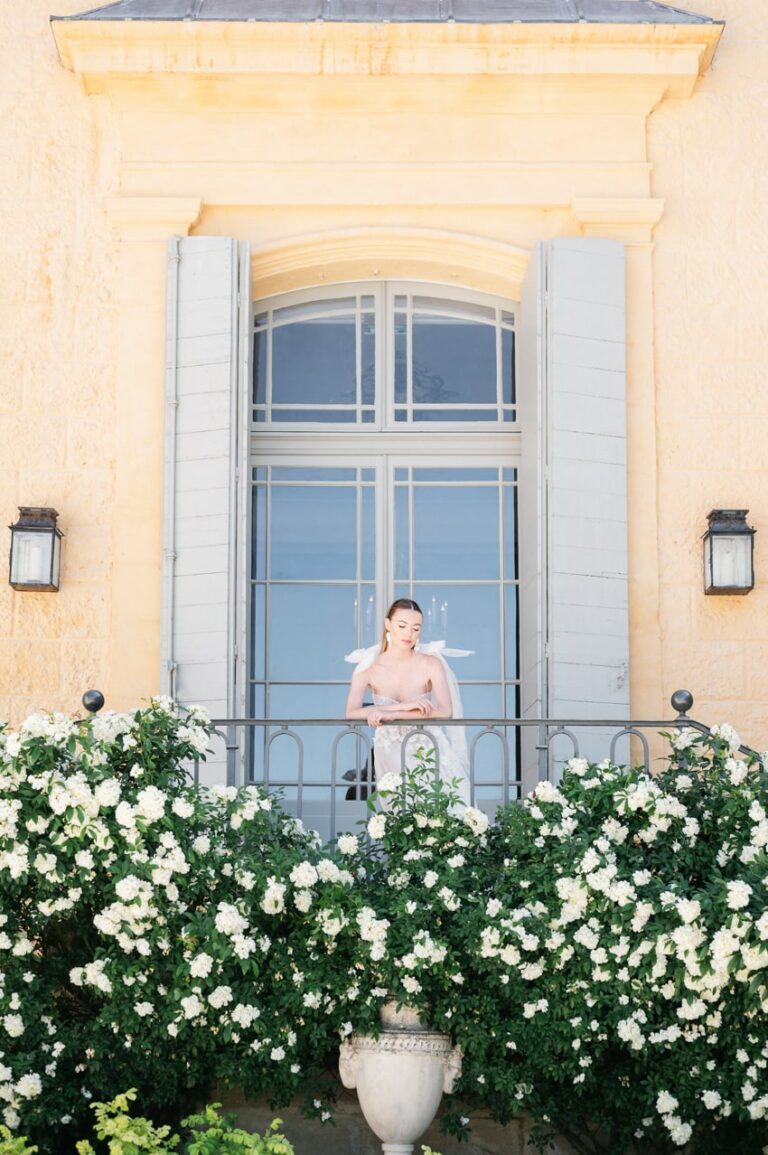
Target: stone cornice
667	59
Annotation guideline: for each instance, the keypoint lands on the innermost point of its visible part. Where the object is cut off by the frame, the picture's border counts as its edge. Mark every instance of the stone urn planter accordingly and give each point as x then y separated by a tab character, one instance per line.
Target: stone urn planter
400	1077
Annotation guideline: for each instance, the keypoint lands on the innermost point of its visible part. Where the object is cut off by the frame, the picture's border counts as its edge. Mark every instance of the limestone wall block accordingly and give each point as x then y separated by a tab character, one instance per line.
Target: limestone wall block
32	669
85	666
76	611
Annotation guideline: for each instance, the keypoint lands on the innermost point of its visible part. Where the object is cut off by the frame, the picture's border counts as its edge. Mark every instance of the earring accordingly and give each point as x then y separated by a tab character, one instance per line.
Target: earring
389	638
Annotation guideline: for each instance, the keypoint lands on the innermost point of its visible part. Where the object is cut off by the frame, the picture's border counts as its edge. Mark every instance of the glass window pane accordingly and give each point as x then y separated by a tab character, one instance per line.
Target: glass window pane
313	532
479	701
308	473
368	417
311	628
460	475
513	701
511	631
368	544
402	534
508	367
260	367
462	308
369	620
308	311
455	415
314	362
510	532
467	617
455	532
368	359
257	735
259	530
401	358
315	416
258	633
453	361
309	701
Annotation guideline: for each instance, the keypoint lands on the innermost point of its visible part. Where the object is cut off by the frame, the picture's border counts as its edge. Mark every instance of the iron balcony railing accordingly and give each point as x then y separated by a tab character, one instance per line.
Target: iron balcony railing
307	759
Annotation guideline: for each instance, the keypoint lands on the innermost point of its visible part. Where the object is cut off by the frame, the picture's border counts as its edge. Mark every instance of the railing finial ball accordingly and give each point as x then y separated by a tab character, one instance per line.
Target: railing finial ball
93	700
682	701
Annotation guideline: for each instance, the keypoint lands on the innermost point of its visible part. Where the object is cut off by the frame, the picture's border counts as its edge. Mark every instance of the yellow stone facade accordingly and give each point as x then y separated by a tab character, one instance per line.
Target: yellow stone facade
348	152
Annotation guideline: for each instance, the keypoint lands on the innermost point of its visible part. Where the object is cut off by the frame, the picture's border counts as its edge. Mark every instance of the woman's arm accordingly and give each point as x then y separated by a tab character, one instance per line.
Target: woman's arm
357	688
373	715
441	707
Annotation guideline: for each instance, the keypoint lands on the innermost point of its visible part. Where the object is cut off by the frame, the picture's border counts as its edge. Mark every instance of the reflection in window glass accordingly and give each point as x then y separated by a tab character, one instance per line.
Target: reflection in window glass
508	367
314	363
316	416
401	358
368	358
453	361
421	413
260	341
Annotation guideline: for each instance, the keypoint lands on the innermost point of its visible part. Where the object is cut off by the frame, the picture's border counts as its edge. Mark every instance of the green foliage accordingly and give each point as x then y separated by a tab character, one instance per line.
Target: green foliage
14	1144
127	1135
219	1136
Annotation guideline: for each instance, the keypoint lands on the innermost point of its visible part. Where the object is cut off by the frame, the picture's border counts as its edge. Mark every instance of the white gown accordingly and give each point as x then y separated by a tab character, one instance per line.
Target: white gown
449	744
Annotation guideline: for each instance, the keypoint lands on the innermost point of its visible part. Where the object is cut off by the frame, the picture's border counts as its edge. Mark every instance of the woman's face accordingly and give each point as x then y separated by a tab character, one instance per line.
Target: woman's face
404	628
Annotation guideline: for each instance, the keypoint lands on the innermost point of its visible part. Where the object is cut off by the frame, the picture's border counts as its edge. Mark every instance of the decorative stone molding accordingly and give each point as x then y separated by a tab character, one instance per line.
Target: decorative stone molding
153	218
628	219
423	254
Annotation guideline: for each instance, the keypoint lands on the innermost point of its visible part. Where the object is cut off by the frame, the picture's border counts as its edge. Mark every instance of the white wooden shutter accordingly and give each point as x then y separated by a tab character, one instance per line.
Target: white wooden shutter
204	521
573	487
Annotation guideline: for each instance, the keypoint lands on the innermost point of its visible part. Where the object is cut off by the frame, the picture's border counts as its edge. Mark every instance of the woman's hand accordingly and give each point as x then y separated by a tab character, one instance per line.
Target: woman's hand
422	706
375	716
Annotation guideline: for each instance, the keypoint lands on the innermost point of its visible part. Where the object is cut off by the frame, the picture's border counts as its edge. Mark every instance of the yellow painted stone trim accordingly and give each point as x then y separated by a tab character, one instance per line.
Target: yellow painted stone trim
101	53
153	218
435	255
621	218
449	182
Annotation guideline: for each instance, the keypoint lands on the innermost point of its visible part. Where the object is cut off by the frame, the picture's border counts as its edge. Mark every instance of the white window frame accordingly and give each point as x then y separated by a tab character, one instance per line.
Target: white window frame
384	294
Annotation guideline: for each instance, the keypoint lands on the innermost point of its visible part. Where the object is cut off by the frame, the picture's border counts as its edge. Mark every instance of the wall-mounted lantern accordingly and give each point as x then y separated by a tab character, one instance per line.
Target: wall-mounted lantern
729	553
35	550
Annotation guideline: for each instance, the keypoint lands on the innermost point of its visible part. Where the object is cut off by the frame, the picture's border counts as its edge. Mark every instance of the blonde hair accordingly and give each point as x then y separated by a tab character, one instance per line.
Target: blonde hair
399	604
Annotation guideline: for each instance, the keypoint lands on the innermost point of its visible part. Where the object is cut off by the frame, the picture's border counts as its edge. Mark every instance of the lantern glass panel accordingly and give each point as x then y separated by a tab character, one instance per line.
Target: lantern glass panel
31	564
731	561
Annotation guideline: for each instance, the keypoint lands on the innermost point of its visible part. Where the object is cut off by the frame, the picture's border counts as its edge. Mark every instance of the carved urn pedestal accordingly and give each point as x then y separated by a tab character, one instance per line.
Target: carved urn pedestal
400	1077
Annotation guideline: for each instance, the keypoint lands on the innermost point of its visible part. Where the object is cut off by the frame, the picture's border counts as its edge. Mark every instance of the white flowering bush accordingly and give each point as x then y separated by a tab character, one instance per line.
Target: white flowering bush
621	995
145	939
600	953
